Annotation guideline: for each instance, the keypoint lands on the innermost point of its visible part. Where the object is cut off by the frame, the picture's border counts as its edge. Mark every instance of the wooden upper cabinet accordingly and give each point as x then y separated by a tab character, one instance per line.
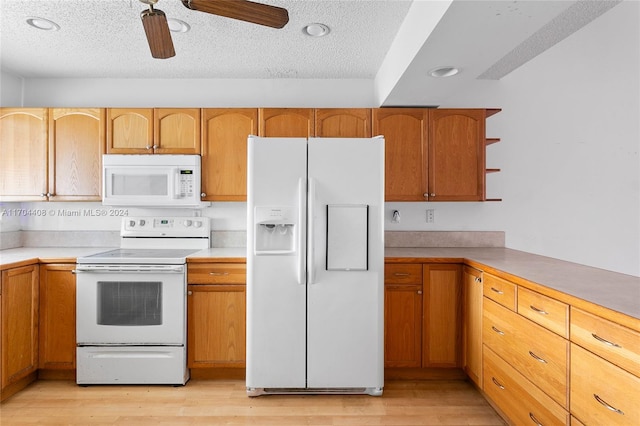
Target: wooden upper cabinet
286	122
405	132
153	131
224	152
76	145
130	131
23	154
176	131
343	122
456	155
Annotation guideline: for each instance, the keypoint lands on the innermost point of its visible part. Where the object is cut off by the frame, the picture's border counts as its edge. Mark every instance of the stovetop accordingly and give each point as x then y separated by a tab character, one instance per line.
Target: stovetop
140	256
141	237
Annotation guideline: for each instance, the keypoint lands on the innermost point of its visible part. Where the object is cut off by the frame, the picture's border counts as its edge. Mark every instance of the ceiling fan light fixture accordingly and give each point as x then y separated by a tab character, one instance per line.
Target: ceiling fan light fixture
42	24
447	71
178	26
316	30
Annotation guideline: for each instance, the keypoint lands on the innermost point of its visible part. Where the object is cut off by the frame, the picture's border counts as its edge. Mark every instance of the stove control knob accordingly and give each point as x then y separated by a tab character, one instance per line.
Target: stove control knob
132	223
197	224
188	223
142	222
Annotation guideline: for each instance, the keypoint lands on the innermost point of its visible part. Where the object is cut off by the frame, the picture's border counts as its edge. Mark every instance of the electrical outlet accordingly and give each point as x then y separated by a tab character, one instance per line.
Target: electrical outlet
430	215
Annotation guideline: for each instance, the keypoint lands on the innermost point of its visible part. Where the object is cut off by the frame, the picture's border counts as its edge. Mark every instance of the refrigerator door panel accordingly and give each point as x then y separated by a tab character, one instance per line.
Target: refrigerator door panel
276	235
345	328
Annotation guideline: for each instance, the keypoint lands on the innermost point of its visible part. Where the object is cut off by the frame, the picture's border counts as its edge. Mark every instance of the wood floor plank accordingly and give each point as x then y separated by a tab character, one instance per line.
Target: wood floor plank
224	402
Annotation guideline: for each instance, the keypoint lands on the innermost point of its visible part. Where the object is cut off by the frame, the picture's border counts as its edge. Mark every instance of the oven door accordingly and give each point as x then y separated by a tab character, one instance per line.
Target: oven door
130	305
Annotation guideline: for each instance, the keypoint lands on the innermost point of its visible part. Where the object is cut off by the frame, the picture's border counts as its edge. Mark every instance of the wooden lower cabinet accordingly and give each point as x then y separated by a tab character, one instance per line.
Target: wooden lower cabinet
441	327
521	401
472	324
57	322
216	336
403	325
531	349
422	315
601	392
19	328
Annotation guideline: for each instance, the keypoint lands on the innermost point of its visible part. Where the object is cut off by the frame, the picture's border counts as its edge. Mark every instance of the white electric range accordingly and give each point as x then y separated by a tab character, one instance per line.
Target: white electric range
131	303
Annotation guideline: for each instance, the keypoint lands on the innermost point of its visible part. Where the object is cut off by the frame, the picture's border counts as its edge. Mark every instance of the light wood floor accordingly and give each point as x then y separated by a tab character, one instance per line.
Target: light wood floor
224	402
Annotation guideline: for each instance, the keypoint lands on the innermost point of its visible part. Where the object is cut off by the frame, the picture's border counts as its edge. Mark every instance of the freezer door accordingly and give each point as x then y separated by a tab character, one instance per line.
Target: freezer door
345	293
276	291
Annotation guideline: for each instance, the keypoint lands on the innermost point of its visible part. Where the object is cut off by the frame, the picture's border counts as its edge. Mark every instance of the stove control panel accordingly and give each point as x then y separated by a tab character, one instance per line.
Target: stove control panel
170	226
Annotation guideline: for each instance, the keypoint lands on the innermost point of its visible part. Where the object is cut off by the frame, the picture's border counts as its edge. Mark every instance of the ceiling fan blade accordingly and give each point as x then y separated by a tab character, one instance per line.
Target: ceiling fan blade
157	30
257	13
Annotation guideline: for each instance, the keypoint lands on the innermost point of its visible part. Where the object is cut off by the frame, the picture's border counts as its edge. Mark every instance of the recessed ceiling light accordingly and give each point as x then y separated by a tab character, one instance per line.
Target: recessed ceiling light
444	72
42	24
178	26
316	30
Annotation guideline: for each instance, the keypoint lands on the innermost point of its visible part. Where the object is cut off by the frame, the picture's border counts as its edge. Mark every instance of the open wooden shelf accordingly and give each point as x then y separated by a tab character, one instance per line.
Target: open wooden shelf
492	170
489	141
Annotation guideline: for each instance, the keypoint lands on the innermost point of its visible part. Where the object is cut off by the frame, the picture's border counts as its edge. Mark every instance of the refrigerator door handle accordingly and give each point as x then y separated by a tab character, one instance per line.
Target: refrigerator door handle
301	230
310	234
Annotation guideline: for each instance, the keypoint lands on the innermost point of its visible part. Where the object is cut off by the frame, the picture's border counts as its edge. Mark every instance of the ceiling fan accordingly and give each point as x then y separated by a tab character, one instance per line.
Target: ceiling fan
156	27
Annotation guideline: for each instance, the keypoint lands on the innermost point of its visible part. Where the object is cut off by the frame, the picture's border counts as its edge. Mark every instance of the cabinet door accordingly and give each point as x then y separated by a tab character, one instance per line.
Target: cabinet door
76	145
216	326
405	133
57	317
19	323
472	324
456	155
23	154
176	131
402	325
442	315
224	152
130	131
343	122
286	122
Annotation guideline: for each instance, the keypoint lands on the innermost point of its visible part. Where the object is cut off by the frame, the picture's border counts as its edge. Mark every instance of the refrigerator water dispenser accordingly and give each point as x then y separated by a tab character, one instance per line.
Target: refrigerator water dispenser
274	230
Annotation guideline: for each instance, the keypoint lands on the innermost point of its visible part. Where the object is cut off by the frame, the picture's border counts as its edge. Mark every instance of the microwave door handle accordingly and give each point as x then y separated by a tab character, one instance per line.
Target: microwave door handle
176	183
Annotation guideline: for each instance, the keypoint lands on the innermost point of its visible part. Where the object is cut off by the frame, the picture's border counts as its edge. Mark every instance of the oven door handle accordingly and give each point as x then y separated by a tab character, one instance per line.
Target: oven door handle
108	269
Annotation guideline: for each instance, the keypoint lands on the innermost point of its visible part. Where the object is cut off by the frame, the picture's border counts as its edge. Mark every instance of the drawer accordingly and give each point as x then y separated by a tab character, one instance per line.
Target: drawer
403	273
615	343
522	402
500	290
216	273
538	354
602	393
544	310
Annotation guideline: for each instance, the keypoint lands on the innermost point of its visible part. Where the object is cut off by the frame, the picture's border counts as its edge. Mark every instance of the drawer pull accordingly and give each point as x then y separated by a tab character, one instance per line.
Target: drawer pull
603	402
400	274
532	417
538	310
218	273
496	290
537	358
500	332
605	341
497	383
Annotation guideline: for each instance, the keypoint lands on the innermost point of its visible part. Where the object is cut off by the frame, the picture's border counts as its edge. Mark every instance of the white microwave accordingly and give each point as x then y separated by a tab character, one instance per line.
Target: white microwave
154	180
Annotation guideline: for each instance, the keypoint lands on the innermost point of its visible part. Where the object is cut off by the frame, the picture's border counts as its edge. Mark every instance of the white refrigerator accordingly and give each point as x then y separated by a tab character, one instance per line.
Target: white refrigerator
315	265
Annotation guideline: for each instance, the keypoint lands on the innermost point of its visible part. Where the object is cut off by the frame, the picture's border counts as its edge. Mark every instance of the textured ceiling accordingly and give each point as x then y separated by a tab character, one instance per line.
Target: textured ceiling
394	42
105	38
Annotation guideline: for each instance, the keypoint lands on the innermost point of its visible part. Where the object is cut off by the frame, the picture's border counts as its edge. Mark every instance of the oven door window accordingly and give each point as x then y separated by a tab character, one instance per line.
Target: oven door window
129	303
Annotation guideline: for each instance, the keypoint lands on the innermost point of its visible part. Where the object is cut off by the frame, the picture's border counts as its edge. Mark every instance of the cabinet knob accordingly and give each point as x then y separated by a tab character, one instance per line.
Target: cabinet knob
202	194
43	194
432	195
425	195
419	291
155	147
148	147
49	194
189	293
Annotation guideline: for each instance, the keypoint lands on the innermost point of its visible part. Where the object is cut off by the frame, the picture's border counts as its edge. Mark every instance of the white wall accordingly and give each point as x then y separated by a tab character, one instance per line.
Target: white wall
10	89
570	179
